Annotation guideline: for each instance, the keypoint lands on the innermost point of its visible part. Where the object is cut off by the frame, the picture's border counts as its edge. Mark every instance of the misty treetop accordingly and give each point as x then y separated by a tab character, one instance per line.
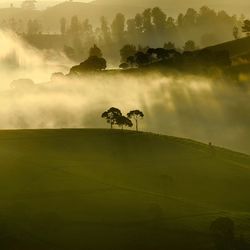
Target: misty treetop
191	59
153	27
93	63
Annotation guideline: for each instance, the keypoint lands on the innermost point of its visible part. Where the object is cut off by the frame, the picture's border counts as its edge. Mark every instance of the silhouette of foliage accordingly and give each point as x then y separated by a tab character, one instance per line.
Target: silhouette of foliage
169	46
136	115
93	63
127	51
95	52
124	66
118	27
112	115
142	58
236	33
189	46
122	121
63	26
246	27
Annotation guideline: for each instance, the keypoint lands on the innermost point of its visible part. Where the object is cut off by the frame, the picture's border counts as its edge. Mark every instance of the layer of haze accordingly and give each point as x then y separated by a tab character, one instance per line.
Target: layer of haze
19	60
186	106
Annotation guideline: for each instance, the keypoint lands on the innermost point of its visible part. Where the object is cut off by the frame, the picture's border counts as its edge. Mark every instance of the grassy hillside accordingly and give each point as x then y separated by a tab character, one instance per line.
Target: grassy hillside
102	189
236	48
240	54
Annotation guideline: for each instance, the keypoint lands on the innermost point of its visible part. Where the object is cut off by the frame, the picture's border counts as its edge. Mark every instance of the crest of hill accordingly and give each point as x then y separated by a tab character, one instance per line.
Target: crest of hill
236	48
116	183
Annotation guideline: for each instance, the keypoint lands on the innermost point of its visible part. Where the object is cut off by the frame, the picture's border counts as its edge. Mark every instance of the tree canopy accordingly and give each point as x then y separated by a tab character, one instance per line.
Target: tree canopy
93	63
112	115
136	115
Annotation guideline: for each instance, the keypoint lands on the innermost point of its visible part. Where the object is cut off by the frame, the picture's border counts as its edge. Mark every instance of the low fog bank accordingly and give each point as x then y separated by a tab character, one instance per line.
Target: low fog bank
188	106
20	60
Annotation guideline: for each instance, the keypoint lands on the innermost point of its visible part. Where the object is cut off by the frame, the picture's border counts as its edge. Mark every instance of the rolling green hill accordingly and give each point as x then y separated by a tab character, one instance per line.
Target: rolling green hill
103	189
237	48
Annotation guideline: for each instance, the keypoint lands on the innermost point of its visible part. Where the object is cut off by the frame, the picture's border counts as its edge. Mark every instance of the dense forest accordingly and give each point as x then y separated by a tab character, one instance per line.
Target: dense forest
153	28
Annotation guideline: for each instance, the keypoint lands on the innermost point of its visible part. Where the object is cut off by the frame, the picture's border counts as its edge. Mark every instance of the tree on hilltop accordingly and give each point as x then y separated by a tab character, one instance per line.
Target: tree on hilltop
93	63
112	116
136	115
126	51
124	121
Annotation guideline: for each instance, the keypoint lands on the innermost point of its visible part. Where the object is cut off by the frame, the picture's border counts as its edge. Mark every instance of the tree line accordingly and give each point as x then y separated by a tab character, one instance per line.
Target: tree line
153	28
132	57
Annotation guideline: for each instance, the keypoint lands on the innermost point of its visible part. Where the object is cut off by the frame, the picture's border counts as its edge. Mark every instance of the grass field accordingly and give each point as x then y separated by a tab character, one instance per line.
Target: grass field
103	189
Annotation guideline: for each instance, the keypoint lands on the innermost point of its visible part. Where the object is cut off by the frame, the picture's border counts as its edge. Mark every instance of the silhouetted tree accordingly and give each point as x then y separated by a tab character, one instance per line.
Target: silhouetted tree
161	53
132	33
189	46
246	27
180	20
63	25
136	115
118	27
122	121
131	61
190	18
33	27
222	230
236	32
112	115
127	51
124	66
169	46
142	58
95	52
147	22
105	30
139	23
93	63
159	20
75	26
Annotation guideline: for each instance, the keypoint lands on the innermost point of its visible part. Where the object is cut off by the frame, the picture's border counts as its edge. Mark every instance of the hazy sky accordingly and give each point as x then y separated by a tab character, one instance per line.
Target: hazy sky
40	3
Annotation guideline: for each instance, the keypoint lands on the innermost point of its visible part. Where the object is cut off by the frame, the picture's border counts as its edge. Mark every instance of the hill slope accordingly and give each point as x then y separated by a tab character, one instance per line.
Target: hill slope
237	48
101	189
